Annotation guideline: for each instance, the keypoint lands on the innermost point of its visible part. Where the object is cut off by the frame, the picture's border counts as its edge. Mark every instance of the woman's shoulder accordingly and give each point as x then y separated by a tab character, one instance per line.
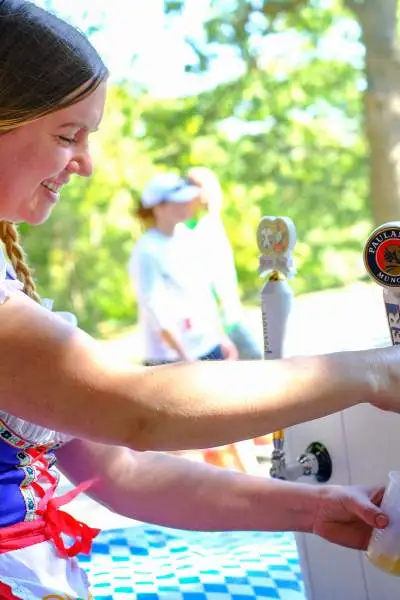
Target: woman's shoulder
9	283
150	243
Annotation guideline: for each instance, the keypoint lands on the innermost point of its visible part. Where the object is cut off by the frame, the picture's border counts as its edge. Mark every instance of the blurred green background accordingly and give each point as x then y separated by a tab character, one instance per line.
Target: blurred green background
302	123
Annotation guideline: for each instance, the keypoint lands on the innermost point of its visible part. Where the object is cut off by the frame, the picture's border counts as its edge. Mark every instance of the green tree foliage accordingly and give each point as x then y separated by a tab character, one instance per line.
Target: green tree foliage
284	136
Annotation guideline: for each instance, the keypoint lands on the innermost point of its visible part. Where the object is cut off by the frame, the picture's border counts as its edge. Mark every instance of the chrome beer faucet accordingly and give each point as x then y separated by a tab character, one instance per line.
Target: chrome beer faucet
314	462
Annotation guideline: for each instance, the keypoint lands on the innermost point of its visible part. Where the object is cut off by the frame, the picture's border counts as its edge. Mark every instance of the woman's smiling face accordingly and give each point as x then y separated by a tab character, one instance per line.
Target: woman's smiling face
38	158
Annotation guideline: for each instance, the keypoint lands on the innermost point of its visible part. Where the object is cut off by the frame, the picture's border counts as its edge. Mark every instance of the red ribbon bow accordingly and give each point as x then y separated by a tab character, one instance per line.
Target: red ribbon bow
52	523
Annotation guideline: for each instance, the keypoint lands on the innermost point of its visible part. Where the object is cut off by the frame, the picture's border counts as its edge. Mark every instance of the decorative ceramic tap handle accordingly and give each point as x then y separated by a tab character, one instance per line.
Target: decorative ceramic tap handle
276	238
382	262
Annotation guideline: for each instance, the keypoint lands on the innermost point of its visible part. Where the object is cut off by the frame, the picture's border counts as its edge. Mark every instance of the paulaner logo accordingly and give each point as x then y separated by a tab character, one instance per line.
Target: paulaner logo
382	255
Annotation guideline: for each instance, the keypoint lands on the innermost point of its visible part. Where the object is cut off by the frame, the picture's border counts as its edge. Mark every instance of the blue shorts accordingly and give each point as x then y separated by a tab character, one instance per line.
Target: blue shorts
214	354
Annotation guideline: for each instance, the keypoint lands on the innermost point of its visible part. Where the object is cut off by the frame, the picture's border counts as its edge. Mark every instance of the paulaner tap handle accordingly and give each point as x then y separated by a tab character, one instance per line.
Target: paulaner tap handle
382	262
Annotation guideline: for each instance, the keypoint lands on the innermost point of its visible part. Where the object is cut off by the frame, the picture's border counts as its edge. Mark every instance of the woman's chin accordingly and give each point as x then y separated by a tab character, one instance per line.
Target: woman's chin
38	210
36	217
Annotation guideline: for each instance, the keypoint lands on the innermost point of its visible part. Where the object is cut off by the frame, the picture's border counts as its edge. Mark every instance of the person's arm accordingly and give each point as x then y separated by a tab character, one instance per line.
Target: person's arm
171	340
175	492
57	376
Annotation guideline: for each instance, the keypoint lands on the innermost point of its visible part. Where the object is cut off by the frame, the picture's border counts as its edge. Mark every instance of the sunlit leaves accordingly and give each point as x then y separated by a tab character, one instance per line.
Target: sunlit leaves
284	135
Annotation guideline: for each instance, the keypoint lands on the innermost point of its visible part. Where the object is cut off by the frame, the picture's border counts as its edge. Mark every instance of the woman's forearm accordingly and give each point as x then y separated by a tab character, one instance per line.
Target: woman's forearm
176	492
207	404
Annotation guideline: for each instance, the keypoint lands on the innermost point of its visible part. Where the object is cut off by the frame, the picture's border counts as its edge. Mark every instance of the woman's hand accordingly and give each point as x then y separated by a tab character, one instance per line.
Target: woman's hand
347	515
229	350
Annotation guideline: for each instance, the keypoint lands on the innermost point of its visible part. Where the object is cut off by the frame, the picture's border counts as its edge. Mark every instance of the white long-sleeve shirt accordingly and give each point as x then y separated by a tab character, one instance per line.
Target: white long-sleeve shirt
174	292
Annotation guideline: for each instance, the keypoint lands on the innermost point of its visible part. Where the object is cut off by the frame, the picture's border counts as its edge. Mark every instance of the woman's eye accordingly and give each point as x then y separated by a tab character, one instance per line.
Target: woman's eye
66	140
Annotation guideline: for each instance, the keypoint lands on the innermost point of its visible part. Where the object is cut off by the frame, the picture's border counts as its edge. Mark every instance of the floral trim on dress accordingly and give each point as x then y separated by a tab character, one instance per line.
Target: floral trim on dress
31	503
23	434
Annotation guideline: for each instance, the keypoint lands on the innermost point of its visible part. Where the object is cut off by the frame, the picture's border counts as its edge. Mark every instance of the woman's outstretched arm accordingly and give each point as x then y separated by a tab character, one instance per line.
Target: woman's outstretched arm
174	492
57	376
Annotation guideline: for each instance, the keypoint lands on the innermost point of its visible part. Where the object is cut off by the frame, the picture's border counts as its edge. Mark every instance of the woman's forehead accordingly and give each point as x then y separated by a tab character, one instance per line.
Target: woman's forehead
85	114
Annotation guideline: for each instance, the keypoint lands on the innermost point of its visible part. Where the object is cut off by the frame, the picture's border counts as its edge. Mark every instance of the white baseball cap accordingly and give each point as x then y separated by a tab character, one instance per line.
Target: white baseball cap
168	187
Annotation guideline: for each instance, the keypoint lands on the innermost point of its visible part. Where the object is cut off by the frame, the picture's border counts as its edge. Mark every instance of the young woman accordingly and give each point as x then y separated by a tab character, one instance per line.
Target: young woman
60	395
178	313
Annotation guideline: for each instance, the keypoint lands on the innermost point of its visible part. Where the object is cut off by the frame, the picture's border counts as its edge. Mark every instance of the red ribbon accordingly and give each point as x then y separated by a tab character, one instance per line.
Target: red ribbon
52	523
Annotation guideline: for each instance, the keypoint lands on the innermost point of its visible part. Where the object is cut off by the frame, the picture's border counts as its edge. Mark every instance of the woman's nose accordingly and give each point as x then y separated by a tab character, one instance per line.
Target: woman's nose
81	165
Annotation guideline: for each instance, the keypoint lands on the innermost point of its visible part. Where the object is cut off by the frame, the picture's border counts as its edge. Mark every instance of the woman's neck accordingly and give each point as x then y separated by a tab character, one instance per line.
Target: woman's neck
166	229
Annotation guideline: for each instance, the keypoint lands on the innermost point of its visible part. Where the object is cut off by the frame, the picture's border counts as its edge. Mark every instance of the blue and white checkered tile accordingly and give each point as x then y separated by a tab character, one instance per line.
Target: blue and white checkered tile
154	563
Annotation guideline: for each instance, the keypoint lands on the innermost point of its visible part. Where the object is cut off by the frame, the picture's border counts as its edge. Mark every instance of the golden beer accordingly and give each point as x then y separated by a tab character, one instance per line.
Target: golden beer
385	562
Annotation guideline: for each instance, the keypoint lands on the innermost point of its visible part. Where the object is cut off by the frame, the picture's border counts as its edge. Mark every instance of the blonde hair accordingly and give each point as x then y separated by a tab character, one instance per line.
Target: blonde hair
10	238
208	182
53	67
202	176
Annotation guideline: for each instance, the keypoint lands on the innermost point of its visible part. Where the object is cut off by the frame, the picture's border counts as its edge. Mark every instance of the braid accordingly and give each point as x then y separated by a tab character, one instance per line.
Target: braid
10	237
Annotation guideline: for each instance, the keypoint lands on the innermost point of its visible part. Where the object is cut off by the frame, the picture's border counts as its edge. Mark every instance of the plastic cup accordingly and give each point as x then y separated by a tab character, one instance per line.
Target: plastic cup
384	547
